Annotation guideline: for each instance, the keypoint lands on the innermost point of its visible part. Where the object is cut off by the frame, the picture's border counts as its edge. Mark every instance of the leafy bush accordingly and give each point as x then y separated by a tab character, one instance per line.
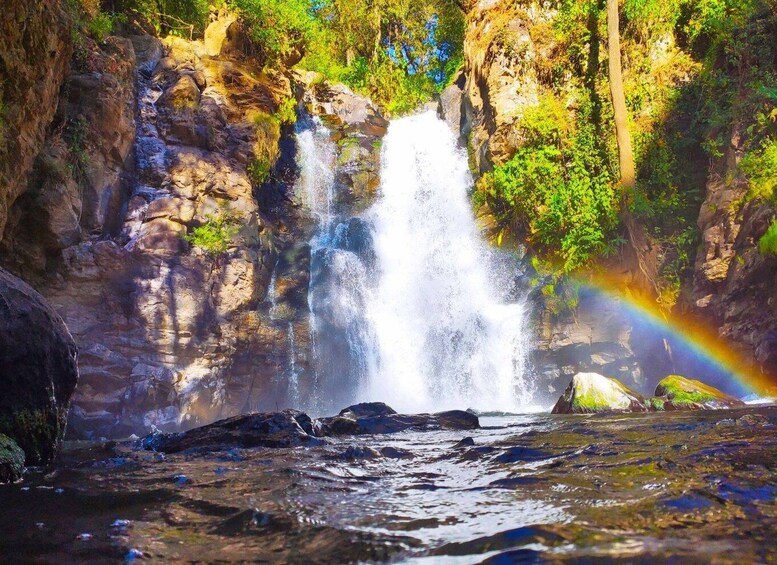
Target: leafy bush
268	133
287	112
278	27
556	187
100	27
259	170
768	242
215	236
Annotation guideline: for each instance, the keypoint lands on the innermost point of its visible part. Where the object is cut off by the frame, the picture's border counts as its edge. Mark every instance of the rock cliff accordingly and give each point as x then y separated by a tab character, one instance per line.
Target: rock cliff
147	142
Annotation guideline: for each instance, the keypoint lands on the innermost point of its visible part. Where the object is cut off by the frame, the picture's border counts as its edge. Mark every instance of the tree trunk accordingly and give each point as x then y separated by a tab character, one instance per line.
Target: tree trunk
625	154
645	253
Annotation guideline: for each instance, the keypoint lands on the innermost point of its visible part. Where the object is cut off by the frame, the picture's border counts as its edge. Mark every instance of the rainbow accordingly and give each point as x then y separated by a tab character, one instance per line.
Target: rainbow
702	340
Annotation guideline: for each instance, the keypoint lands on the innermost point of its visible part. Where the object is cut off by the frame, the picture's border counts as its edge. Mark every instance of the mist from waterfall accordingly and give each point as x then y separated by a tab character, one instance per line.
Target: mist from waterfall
408	305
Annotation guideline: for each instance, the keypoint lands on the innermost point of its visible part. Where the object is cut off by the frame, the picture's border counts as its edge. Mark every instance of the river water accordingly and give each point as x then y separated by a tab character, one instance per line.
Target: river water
689	487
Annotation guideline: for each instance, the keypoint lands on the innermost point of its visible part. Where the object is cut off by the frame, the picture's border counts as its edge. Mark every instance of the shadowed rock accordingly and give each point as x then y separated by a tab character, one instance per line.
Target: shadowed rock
291	428
38	370
377	418
288	428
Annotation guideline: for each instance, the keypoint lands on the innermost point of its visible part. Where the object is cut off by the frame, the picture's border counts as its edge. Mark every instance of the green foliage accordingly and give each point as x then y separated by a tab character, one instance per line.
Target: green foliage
760	166
278	27
215	236
75	136
557	187
100	27
268	132
287	112
768	242
396	52
259	170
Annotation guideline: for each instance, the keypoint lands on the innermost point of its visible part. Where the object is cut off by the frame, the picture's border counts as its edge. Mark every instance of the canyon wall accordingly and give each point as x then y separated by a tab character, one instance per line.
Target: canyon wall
509	52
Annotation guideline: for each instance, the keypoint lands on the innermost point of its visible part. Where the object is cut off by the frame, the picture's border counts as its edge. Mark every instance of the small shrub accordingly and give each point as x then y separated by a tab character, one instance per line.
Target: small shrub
100	27
760	166
268	133
259	171
216	234
75	136
287	112
767	245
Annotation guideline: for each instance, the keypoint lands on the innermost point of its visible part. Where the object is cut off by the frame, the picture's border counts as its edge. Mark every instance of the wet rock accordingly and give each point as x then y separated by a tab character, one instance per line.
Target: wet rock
589	393
360	452
753	421
288	428
396	453
678	393
451	105
377	418
38	370
11	460
367	410
466	442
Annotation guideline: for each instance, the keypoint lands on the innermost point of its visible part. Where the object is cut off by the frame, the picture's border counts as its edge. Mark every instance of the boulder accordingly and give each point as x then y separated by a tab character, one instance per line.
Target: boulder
287	428
11	460
377	418
38	370
291	428
590	393
678	393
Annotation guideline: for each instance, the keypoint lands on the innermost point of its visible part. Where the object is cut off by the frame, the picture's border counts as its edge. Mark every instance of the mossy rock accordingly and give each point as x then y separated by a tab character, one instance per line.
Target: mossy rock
679	393
590	393
11	460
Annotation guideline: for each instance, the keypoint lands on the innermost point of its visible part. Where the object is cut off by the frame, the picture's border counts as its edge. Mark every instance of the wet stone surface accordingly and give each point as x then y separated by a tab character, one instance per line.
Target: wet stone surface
691	487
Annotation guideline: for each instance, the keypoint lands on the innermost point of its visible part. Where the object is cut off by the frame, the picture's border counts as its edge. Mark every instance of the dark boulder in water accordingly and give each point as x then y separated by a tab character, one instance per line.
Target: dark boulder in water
377	418
291	428
288	428
38	370
367	410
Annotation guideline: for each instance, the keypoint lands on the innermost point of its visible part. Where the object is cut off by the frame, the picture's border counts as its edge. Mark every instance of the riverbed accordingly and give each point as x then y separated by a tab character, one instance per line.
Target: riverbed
642	488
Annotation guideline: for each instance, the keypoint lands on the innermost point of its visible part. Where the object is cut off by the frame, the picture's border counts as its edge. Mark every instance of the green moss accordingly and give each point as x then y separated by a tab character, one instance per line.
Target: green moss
656	404
36	432
767	245
11	460
686	392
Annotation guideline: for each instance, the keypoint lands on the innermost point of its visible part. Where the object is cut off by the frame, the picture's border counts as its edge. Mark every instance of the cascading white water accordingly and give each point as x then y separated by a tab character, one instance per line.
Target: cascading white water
407	304
445	337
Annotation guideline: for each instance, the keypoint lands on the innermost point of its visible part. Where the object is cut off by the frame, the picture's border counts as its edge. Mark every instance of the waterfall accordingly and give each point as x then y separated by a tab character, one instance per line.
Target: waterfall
445	335
338	276
408	305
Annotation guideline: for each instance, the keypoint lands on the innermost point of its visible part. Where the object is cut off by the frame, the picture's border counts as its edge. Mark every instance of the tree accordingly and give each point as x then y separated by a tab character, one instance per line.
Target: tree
646	254
625	153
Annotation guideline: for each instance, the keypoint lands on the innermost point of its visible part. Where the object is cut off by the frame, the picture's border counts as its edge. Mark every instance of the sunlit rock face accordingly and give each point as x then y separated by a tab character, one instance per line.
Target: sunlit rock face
170	335
735	285
167	132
